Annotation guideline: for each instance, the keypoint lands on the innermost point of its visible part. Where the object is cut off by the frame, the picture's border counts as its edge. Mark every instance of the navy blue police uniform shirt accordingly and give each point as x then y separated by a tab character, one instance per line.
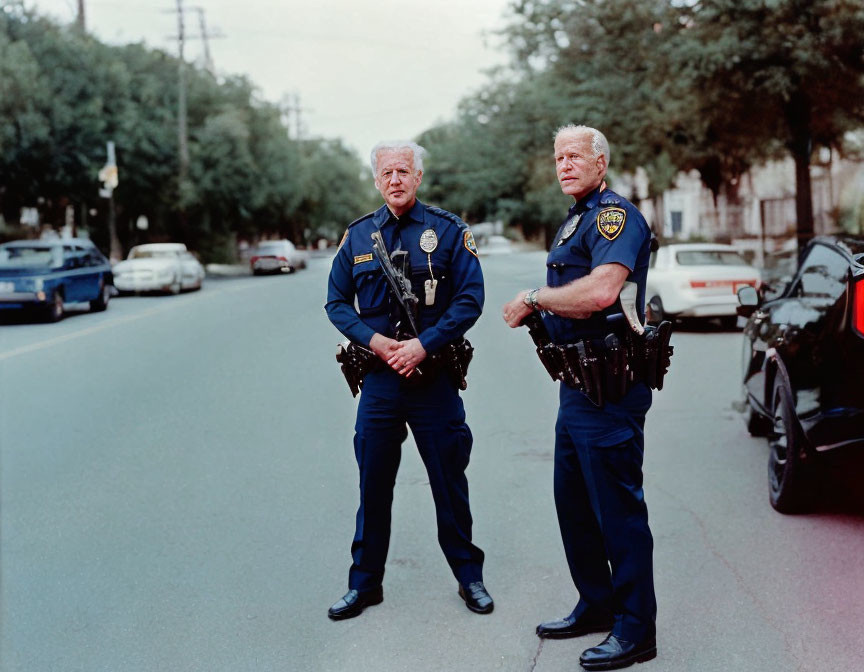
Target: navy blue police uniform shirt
608	229
359	302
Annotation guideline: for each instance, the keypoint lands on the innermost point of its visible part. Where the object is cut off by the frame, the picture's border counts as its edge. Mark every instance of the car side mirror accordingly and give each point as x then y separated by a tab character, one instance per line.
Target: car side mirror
748	298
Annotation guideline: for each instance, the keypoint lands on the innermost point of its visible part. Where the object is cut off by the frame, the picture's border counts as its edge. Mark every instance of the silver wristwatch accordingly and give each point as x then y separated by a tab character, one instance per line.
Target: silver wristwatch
530	299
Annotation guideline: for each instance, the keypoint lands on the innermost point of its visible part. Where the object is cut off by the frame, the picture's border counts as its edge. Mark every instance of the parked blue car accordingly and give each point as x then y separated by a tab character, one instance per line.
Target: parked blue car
43	275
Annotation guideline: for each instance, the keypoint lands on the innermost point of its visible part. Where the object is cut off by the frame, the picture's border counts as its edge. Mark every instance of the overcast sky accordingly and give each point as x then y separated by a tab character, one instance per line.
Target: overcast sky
365	70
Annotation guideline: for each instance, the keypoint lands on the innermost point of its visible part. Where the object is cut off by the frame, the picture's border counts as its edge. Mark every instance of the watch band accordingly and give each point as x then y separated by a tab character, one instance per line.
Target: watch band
530	299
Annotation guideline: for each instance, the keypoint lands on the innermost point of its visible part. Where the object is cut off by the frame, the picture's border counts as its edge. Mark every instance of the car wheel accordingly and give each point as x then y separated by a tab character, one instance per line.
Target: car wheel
788	475
655	313
56	311
101	302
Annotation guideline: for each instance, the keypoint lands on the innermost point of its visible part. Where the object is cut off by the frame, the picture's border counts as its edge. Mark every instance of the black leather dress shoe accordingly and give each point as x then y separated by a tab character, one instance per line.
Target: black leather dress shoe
476	598
614	653
571	626
353	603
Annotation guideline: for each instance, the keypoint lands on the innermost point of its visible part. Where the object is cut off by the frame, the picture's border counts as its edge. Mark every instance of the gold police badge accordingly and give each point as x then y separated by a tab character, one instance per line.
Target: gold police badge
610	222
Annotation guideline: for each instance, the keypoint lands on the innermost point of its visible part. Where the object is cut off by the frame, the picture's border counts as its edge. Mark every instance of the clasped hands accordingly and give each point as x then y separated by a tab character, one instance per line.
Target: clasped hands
401	356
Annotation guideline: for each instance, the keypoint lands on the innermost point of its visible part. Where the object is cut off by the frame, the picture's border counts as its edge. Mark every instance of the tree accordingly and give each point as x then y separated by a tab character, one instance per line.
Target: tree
785	73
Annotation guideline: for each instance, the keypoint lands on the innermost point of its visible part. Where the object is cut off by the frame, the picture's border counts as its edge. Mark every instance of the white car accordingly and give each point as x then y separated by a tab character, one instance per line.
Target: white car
159	267
697	280
495	245
277	256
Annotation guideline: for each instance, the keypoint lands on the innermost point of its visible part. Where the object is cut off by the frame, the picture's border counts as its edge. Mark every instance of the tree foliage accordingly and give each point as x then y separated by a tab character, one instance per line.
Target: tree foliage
63	94
715	86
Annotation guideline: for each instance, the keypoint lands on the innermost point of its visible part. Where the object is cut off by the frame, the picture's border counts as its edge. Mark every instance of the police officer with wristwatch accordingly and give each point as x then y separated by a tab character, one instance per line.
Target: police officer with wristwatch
603	243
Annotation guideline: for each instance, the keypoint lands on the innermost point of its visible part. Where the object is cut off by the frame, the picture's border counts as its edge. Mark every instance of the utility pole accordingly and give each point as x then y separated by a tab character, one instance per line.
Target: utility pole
291	106
182	128
208	59
81	21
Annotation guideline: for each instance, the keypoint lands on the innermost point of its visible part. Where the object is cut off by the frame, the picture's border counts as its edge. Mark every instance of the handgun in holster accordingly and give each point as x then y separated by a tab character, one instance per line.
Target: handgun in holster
357	362
591	370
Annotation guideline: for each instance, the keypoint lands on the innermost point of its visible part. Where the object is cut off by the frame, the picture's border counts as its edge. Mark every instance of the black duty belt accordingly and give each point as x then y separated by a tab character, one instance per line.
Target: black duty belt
606	369
358	361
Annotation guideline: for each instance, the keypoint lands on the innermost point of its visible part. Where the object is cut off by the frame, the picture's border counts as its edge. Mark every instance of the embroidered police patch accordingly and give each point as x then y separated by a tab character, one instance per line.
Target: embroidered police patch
470	245
610	222
344	236
428	241
362	258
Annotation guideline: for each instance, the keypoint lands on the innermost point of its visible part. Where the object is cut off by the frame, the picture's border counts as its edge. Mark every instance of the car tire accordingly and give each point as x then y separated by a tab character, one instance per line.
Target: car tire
789	477
655	310
55	310
100	303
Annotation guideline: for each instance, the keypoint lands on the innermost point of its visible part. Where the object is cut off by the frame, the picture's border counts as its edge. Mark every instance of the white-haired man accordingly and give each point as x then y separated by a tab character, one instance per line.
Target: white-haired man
603	243
444	270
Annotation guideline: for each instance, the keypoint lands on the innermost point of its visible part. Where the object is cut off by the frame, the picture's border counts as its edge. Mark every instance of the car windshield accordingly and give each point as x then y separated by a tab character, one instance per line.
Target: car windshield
709	258
271	247
29	257
151	254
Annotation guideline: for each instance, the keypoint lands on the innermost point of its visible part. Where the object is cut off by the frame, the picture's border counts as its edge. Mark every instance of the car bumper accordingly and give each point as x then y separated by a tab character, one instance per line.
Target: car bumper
703	306
142	284
12	300
270	265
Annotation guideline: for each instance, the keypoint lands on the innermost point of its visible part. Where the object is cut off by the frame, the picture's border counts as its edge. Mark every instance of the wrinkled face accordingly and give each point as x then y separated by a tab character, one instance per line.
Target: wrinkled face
396	179
579	172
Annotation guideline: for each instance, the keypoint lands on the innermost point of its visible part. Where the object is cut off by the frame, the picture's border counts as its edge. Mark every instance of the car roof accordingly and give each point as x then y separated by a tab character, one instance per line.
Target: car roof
53	242
164	247
853	244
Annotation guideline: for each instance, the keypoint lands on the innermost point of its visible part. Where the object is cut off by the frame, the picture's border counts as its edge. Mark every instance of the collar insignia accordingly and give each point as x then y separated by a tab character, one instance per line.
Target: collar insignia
610	222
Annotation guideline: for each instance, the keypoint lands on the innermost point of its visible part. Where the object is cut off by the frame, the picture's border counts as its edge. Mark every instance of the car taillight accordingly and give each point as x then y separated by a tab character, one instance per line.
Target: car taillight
858	307
254	259
281	258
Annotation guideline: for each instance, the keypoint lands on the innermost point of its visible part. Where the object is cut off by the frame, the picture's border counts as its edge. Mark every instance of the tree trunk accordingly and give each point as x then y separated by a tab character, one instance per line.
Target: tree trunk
803	199
798	117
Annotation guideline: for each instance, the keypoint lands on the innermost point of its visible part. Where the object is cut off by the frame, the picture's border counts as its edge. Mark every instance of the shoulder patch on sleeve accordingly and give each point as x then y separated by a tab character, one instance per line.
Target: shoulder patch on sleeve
468	241
610	222
344	237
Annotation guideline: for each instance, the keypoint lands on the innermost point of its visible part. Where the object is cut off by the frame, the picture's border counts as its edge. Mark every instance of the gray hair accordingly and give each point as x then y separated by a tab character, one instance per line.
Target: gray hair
396	145
599	143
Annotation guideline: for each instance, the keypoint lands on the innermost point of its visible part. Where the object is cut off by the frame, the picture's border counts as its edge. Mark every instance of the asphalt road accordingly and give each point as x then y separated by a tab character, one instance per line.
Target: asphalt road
178	489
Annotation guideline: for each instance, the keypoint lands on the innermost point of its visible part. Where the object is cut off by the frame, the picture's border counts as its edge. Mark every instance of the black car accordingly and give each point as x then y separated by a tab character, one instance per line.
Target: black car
804	367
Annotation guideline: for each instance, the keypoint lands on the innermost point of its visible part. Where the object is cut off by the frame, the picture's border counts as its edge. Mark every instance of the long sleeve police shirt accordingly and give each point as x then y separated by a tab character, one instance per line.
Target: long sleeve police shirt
440	249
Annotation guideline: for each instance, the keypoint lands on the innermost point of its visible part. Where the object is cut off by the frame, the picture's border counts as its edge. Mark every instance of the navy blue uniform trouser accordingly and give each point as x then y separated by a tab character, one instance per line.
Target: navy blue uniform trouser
601	508
436	416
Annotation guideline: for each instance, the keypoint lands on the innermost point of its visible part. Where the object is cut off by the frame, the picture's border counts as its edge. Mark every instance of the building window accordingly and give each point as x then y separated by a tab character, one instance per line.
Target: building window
677	217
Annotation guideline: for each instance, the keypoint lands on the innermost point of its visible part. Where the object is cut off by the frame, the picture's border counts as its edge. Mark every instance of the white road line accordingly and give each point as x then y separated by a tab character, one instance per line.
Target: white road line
51	342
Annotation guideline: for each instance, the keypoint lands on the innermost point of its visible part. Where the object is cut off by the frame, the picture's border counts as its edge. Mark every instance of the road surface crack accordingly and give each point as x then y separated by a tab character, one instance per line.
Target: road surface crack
536	656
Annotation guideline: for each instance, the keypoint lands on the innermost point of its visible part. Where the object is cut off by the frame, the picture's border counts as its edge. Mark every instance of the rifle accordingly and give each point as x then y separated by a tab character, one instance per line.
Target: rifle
399	284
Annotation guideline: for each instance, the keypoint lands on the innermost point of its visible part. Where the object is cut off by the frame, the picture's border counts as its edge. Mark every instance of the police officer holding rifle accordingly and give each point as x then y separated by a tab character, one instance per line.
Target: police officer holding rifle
404	288
587	325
